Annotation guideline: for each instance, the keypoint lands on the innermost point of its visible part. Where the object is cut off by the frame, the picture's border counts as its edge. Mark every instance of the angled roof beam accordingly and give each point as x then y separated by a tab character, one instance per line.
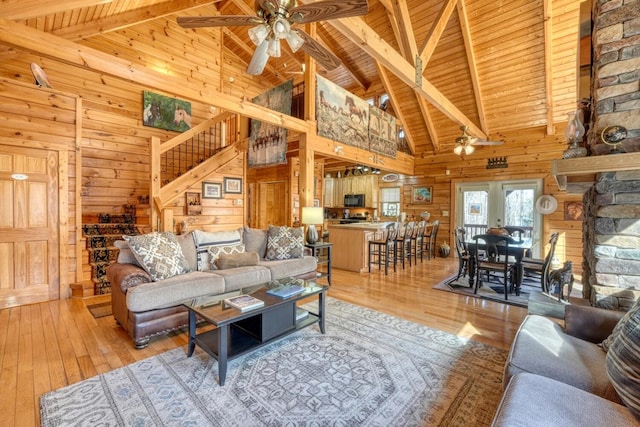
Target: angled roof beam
352	73
127	19
433	37
27	9
403	30
471	60
356	30
548	63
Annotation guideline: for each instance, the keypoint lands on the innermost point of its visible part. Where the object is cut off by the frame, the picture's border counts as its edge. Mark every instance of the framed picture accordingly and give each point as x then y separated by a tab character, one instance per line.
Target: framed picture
165	112
422	194
316	203
573	211
211	190
233	185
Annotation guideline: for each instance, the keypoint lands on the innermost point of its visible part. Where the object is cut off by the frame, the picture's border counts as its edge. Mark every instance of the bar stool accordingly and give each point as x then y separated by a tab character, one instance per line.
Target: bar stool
384	249
402	247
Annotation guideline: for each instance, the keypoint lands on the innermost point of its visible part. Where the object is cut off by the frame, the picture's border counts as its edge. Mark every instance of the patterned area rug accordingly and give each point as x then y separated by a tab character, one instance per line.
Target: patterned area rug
369	369
490	290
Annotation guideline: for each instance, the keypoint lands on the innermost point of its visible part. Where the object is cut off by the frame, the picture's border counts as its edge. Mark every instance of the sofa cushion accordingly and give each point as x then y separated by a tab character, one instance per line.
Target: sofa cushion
125	255
533	400
241	277
204	239
173	291
285	242
290	267
542	347
188	246
216	251
623	361
255	240
159	254
225	262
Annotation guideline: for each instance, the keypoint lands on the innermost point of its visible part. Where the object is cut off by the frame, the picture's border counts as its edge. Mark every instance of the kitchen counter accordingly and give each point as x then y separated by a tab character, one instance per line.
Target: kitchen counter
351	244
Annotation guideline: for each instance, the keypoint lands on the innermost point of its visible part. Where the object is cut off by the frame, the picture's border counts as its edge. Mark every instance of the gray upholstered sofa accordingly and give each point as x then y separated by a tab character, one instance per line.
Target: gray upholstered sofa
147	300
557	376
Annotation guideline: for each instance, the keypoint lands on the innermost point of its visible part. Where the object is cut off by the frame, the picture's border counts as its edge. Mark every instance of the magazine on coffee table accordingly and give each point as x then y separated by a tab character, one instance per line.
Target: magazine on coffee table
244	302
286	291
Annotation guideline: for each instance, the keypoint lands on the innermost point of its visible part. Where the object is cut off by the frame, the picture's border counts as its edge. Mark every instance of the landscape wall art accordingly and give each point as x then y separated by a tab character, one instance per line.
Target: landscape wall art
164	112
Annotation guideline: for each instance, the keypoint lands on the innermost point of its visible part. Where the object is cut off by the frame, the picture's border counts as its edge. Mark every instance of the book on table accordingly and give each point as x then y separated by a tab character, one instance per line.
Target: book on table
244	302
286	291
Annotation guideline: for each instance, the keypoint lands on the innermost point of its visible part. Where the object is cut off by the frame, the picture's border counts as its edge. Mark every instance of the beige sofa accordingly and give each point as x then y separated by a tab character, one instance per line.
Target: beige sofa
557	376
145	308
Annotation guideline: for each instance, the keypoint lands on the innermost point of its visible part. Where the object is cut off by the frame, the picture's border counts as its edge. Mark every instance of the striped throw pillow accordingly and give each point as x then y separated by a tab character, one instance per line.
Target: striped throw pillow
623	361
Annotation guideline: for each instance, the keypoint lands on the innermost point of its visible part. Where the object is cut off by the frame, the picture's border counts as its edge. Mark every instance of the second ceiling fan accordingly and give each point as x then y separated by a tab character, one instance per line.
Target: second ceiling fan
466	143
273	22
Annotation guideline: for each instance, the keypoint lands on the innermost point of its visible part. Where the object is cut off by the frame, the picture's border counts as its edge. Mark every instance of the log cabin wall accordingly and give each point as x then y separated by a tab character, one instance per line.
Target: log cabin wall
115	143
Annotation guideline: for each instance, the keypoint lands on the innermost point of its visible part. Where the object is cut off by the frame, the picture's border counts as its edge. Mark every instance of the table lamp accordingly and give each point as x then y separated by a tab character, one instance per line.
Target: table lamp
311	217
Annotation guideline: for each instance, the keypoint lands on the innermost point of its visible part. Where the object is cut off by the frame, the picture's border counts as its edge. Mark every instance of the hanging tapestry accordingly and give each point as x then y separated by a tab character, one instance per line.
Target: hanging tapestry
341	116
382	132
267	142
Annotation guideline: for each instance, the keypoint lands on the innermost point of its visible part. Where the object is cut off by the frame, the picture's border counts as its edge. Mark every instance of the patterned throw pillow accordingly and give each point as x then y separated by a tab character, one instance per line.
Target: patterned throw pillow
285	242
159	254
216	251
608	342
623	361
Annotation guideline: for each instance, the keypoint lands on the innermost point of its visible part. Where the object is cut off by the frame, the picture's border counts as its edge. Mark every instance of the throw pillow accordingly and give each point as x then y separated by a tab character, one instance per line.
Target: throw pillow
225	262
623	361
159	254
205	239
216	251
285	242
255	240
608	342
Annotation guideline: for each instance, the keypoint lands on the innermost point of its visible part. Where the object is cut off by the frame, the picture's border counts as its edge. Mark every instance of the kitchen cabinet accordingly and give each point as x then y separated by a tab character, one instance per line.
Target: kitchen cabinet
365	184
329	201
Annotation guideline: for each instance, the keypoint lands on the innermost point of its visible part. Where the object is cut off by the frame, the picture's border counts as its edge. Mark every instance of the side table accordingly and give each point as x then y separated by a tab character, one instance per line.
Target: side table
322	252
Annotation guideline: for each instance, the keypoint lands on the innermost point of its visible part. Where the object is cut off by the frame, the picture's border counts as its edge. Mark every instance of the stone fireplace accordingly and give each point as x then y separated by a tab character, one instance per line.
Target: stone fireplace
611	230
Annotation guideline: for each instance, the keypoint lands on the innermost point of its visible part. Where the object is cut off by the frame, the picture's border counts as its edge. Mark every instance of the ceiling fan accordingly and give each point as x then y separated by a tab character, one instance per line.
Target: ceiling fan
273	22
466	143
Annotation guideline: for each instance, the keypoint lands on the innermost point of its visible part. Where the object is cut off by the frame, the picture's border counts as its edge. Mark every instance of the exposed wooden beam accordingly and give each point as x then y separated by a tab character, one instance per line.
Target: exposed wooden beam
403	30
41	43
433	37
127	19
322	36
356	30
471	60
397	105
548	64
27	9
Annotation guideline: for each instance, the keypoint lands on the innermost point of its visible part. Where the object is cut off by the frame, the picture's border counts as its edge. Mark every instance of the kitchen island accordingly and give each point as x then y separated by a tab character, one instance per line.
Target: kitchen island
351	244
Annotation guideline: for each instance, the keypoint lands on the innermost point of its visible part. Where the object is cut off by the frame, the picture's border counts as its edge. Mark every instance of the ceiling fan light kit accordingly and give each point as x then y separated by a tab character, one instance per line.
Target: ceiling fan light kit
466	143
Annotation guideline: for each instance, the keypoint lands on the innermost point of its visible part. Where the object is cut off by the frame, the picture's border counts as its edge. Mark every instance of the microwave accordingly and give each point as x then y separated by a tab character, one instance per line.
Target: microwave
354	201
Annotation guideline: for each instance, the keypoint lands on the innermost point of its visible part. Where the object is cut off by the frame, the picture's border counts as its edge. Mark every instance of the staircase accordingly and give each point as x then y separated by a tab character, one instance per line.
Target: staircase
100	240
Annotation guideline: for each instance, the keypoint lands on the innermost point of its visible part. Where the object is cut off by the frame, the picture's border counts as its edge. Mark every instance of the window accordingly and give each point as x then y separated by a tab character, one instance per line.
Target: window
390	201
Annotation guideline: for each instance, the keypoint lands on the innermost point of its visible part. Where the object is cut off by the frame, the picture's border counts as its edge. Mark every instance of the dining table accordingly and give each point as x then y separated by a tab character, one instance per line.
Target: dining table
517	249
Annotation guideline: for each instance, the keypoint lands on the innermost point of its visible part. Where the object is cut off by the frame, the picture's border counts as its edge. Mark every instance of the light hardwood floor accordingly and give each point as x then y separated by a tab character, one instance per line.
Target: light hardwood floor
49	345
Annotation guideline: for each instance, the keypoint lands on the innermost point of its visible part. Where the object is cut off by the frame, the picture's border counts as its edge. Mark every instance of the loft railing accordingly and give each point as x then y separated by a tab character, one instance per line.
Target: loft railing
189	149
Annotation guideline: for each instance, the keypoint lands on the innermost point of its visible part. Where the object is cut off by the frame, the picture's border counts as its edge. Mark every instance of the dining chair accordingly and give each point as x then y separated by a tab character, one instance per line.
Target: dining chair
540	268
461	251
493	260
384	249
431	239
517	233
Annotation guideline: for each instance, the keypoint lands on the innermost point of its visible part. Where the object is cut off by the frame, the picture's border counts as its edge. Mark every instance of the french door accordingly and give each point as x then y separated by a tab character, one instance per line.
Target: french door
482	205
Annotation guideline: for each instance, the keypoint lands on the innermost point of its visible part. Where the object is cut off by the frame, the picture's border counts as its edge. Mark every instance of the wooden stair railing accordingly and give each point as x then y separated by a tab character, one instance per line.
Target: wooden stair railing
182	161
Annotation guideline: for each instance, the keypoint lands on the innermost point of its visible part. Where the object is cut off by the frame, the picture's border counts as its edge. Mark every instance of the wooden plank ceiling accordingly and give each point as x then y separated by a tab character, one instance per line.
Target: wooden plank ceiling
493	66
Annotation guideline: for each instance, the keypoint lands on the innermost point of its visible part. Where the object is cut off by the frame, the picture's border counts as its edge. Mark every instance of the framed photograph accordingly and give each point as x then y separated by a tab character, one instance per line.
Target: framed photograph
233	185
422	194
573	211
211	190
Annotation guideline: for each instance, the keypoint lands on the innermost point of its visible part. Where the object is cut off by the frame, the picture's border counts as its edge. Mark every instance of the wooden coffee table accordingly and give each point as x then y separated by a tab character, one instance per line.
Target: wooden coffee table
238	332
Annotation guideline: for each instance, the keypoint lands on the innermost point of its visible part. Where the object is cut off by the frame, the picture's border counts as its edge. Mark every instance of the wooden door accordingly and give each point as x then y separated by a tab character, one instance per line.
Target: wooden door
29	237
272	204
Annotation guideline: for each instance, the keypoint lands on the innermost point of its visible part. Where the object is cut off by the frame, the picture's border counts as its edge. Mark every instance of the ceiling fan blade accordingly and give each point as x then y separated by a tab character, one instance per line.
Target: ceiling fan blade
329	9
324	56
478	142
217	21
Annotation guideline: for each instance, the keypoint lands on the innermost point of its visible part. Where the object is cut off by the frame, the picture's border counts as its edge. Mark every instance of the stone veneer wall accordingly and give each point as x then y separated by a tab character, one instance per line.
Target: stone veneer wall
611	242
611	272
